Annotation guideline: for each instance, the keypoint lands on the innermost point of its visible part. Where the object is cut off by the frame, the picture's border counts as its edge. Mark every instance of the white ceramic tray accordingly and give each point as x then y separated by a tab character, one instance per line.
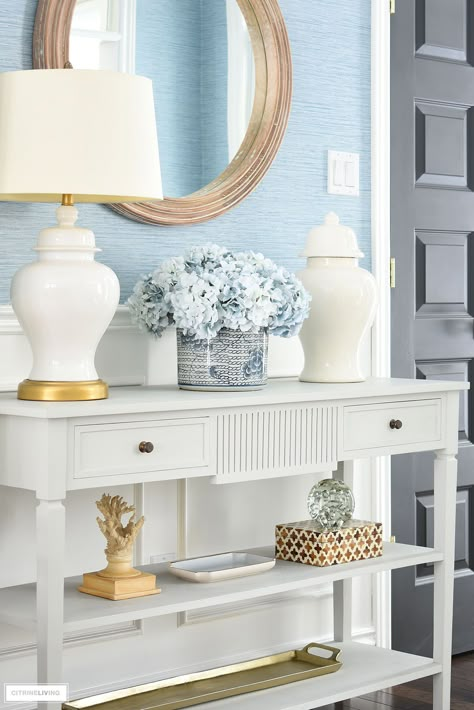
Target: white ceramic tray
215	568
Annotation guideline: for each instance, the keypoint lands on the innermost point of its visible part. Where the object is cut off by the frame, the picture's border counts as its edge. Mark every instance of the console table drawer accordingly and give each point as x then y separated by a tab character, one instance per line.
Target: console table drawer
168	444
391	424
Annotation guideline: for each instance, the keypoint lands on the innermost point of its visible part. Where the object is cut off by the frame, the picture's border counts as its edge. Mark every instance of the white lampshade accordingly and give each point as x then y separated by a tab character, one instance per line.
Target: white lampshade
88	133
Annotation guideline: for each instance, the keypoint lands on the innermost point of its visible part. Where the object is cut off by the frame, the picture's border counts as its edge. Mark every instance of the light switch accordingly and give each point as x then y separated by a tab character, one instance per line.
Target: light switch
349	173
343	173
339	177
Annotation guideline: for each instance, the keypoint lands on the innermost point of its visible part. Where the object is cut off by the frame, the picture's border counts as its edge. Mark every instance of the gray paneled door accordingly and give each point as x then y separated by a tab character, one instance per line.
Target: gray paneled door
432	225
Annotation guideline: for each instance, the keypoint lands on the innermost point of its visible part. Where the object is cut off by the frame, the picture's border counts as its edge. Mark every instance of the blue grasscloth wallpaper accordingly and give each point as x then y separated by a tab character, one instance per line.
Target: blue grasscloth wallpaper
183	49
168	52
331	109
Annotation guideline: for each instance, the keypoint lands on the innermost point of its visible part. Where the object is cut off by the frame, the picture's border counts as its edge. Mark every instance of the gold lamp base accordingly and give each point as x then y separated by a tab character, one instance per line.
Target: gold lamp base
39	391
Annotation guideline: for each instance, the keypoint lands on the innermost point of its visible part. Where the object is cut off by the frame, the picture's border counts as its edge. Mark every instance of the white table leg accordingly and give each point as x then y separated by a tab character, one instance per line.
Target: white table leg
50	538
445	484
342	590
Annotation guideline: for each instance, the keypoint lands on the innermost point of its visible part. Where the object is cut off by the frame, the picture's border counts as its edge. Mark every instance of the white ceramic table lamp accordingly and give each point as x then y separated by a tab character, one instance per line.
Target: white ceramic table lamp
70	136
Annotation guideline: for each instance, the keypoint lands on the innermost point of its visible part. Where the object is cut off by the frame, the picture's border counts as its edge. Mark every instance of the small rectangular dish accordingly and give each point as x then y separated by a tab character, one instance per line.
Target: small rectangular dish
216	568
218	683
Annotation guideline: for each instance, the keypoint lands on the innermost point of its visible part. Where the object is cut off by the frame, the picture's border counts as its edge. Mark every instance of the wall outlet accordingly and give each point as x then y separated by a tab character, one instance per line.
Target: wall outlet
163	557
343	173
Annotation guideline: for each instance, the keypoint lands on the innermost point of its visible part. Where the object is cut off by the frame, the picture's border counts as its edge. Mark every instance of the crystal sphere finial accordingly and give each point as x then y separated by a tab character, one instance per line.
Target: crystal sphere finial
331	503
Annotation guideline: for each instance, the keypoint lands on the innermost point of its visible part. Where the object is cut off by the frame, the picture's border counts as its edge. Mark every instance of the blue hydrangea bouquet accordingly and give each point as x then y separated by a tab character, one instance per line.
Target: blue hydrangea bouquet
224	305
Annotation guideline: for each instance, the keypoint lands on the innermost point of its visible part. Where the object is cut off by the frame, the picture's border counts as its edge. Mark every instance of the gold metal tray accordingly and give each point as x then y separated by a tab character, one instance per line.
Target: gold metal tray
188	690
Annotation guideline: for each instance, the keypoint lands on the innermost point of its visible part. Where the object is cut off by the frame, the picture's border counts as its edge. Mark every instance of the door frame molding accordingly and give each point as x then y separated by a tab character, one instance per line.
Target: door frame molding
380	243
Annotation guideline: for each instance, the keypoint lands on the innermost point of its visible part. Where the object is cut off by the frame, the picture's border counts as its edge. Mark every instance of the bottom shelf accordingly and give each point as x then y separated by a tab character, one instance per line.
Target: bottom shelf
365	669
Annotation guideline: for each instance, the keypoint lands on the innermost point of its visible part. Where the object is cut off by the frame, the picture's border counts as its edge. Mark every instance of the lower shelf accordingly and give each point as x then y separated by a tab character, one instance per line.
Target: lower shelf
365	669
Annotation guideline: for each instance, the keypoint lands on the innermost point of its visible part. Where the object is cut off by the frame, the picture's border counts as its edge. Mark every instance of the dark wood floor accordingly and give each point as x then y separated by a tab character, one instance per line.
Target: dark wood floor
418	695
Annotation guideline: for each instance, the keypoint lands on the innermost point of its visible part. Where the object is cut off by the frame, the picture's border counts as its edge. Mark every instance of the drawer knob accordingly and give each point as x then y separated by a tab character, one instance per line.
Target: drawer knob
395	424
146	447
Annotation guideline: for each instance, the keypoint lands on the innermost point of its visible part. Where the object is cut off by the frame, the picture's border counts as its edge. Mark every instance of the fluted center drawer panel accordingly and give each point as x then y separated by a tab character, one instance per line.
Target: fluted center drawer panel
111	449
275	441
375	426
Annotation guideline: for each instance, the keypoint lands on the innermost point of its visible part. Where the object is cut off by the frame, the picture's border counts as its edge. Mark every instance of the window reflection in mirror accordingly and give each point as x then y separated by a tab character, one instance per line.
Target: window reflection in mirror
198	54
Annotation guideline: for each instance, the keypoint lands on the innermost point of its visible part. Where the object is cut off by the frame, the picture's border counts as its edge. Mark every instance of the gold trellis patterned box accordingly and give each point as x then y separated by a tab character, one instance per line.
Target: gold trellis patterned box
305	542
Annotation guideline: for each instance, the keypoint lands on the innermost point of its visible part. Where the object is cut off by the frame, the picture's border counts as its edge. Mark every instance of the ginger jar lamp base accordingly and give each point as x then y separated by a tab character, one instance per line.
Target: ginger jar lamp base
64	302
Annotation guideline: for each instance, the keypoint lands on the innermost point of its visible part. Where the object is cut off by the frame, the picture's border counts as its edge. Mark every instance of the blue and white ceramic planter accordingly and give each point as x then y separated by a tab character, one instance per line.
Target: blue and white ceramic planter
231	361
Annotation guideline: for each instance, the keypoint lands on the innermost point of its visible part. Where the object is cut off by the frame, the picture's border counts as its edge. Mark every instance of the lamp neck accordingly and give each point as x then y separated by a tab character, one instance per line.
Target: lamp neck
67	200
66	215
66	241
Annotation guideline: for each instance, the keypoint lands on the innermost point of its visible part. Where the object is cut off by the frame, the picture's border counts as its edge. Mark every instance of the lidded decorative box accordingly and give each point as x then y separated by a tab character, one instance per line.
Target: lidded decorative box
307	542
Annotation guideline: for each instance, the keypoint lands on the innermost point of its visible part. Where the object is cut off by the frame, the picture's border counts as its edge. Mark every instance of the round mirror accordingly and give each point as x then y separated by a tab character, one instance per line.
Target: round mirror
221	72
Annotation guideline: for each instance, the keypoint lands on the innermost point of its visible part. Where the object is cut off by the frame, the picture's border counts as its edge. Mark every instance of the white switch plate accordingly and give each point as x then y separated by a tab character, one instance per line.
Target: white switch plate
343	173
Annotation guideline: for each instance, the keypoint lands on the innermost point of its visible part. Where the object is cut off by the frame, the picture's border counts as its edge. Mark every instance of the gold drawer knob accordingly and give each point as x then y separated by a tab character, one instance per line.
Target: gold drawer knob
146	447
395	424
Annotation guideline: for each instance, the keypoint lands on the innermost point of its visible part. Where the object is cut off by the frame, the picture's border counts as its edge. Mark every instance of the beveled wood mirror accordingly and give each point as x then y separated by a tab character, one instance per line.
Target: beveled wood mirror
253	43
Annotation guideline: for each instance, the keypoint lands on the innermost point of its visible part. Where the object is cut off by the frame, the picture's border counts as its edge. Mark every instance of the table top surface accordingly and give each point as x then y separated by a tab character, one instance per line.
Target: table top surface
168	398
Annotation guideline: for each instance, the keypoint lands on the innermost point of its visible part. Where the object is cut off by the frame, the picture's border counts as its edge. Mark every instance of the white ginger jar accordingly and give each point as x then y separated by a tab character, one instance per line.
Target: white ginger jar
344	300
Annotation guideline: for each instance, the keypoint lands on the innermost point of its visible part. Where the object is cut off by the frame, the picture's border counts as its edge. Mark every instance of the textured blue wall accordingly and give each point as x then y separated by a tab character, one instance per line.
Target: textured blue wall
331	109
168	52
214	139
183	49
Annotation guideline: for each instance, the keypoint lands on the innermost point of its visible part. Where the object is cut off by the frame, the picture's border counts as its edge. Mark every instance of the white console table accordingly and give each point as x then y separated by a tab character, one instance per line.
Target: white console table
286	429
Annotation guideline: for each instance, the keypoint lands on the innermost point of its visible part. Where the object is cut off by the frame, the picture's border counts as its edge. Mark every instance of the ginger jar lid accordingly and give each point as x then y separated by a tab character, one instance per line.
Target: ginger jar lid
332	239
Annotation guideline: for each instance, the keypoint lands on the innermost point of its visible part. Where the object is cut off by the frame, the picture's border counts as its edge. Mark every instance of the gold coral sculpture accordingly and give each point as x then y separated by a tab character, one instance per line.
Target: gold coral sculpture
120	539
119	580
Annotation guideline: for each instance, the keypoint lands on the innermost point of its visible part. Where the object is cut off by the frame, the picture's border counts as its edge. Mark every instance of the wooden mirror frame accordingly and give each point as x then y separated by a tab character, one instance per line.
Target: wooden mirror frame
273	74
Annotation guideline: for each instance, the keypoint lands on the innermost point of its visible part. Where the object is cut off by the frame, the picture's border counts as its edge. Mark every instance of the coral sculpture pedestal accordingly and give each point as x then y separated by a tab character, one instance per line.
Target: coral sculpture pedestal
140	585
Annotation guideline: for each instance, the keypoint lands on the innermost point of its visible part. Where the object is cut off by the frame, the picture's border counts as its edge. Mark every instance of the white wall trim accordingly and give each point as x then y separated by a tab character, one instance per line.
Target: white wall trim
224	611
126	355
121	356
83	638
380	176
9	324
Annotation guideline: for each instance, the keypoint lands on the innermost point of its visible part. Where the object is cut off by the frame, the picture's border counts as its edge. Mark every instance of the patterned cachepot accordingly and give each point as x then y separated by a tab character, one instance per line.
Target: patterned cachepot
231	361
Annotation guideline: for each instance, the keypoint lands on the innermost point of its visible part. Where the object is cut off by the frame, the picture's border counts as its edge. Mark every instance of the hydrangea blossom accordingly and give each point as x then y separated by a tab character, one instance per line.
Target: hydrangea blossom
211	288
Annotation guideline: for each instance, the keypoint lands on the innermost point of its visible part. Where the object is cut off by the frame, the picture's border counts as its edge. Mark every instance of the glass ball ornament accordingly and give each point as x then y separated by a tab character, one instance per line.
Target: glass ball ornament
331	503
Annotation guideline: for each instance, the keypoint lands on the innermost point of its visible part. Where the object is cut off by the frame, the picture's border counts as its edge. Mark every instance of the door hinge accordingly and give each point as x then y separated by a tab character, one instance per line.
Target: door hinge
392	6
392	272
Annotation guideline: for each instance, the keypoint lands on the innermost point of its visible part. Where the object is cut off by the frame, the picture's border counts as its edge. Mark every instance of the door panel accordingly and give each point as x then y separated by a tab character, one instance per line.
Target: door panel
441	29
433	306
